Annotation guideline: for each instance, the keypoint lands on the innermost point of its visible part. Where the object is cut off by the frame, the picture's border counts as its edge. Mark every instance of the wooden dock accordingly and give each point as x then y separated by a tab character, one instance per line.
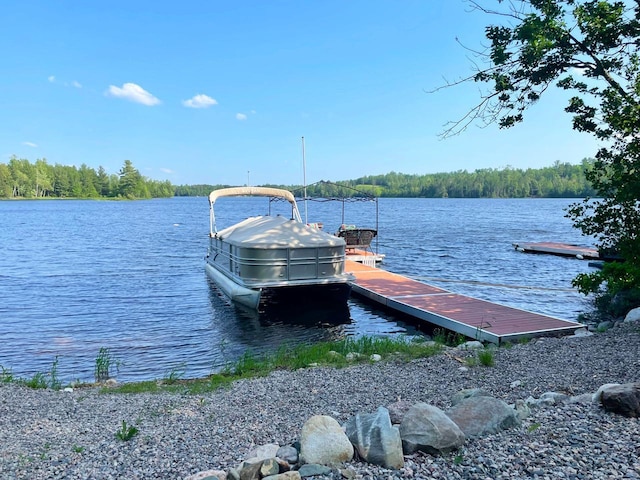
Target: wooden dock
561	249
472	317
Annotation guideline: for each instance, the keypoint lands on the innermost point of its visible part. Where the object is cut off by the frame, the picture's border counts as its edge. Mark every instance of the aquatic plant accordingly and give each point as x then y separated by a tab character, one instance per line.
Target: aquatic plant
104	362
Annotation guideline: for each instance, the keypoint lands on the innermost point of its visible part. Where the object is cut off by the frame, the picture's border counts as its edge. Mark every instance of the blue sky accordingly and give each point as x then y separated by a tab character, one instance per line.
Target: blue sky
222	92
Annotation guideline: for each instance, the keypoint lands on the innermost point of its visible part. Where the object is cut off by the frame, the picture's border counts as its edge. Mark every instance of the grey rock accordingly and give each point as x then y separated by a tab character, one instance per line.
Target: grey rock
603	326
633	315
249	469
598	395
554	398
375	439
208	475
583	398
313	469
622	399
468	393
397	410
480	416
323	441
269	467
288	453
263	452
470	345
579	333
292	475
348	473
522	409
427	428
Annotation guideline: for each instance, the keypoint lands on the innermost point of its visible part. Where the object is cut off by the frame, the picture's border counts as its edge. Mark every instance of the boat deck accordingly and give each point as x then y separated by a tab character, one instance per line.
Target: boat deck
561	249
472	317
366	257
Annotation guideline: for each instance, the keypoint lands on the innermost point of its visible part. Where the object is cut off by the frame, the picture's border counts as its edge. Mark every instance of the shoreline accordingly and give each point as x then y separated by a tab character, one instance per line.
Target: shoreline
58	434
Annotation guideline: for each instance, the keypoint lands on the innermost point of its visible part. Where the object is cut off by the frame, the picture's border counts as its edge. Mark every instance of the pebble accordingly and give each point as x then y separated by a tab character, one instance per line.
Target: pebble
47	434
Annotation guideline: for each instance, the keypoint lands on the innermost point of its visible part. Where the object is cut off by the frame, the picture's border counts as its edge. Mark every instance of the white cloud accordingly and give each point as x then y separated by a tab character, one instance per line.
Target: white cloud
53	79
241	116
133	93
167	170
30	144
200	101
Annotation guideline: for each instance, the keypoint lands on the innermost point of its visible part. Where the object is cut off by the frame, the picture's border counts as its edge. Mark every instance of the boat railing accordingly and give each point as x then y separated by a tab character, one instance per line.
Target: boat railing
281	265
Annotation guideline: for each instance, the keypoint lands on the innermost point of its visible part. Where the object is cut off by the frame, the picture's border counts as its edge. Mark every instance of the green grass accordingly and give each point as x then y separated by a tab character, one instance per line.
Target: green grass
288	357
175	374
39	379
293	357
485	357
533	427
447	337
54	380
126	432
482	357
6	376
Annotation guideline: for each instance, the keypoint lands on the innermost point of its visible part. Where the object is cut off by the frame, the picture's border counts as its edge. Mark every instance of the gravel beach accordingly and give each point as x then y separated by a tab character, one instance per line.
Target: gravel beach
48	434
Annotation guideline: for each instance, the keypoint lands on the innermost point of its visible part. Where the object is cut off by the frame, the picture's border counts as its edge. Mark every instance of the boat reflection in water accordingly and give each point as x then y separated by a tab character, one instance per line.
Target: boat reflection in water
240	329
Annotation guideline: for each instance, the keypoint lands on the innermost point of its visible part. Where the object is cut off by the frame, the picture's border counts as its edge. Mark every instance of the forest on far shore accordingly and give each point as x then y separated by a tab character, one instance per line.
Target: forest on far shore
561	180
23	179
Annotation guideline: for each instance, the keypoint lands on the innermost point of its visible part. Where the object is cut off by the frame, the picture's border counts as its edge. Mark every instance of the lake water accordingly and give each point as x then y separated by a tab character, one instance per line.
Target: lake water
79	275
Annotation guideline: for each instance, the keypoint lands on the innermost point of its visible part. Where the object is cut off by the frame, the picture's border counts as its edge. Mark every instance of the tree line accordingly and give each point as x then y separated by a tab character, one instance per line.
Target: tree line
561	180
22	179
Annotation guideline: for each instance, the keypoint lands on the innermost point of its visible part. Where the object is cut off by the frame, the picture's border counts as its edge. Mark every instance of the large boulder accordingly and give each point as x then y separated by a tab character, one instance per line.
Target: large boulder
427	428
622	399
323	441
633	315
479	416
375	439
597	397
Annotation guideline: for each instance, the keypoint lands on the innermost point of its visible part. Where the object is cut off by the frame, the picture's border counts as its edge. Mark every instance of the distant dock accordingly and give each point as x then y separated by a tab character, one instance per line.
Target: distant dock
472	317
561	249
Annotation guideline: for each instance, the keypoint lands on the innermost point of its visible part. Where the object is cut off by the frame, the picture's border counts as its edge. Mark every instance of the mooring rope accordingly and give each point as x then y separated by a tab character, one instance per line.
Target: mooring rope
500	285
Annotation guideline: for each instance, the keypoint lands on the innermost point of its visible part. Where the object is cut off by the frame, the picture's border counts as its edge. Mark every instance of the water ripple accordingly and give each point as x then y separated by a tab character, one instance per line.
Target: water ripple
76	276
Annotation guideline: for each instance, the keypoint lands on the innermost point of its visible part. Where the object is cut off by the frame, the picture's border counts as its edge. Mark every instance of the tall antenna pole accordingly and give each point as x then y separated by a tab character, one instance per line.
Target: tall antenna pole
304	182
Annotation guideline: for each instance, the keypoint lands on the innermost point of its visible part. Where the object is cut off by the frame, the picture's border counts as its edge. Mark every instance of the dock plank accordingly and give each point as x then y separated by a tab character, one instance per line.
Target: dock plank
469	316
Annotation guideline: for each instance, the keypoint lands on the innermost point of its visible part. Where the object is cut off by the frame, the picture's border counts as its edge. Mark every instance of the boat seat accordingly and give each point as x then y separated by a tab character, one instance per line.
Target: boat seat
357	238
